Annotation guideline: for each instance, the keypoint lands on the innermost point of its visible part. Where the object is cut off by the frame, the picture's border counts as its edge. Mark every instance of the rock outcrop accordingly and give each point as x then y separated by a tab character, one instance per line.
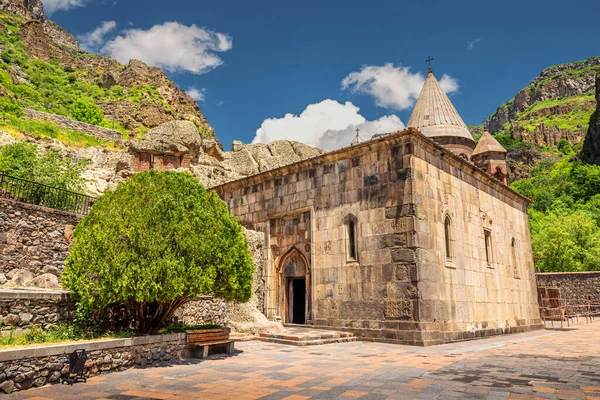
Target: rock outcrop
173	138
147	97
247	317
215	167
555	106
33	10
591	146
550	84
521	161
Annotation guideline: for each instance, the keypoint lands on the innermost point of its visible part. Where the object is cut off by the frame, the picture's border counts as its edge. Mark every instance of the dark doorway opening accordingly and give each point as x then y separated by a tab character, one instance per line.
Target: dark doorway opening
298	296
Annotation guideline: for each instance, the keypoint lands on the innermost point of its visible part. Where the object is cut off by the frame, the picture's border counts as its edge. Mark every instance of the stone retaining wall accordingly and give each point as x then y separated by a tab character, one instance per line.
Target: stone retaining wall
206	310
24	368
67	123
572	285
25	309
34	243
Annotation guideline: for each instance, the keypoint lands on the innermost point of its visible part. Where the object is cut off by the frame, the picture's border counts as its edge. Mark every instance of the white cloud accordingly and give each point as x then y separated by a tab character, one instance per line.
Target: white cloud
51	6
328	125
472	43
448	84
92	41
172	46
392	87
196	94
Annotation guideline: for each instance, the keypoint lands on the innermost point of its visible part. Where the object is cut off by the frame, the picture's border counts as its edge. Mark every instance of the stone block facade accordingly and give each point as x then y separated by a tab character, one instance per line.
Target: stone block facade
572	285
357	236
482	282
21	369
25	309
34	239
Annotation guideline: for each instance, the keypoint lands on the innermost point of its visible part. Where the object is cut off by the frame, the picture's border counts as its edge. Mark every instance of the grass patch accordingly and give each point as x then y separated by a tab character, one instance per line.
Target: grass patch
56	334
17	127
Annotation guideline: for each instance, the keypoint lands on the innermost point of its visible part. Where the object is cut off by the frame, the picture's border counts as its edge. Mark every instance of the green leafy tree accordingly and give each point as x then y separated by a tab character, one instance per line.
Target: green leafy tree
24	160
19	159
86	111
156	242
568	242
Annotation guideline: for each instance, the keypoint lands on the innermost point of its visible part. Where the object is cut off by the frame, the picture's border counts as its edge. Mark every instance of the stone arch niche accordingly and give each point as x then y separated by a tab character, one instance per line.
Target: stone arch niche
294	275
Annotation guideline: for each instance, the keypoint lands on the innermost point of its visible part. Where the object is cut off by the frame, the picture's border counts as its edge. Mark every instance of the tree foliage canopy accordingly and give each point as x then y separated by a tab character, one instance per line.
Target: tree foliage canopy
565	218
154	243
24	160
86	111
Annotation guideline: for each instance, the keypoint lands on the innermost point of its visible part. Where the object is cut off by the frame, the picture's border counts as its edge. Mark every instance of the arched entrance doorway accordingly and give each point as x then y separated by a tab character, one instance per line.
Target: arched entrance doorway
295	282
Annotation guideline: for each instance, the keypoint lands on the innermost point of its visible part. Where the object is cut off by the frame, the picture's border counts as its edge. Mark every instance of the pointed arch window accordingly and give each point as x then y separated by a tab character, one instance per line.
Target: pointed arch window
514	256
448	237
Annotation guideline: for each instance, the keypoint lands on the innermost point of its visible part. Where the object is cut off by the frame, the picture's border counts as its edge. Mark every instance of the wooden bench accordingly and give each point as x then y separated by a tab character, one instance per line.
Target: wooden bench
200	349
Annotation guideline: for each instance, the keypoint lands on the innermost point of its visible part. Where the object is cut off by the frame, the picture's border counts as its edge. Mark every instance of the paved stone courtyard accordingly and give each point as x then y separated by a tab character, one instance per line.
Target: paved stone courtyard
551	364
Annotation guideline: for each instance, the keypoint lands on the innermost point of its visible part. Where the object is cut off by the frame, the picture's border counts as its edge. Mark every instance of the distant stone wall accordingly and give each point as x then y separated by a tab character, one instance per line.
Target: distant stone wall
67	123
34	243
26	309
572	285
206	310
21	369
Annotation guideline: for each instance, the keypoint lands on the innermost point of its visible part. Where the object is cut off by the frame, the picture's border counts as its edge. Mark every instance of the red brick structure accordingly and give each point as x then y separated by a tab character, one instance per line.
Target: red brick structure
159	162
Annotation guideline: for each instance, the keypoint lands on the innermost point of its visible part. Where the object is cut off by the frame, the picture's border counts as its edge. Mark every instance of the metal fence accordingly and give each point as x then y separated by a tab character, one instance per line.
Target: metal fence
37	193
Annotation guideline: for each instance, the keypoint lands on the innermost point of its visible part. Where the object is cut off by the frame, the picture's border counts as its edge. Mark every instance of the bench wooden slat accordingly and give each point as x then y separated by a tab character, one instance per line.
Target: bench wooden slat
213	342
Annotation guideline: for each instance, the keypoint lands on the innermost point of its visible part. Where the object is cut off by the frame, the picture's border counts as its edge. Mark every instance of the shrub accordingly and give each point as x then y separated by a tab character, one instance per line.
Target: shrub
568	242
23	160
155	242
86	111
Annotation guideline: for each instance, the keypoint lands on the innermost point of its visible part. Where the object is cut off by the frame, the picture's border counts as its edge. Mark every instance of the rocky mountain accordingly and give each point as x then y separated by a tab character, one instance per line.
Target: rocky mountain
591	146
548	117
42	67
91	107
556	105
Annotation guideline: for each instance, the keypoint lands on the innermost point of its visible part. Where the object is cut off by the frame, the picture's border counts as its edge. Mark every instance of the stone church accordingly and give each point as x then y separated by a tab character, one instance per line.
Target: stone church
413	237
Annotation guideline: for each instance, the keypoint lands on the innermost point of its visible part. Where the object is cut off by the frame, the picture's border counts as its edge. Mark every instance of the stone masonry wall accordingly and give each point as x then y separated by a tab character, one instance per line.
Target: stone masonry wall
21	369
98	132
475	291
206	310
392	193
25	309
572	285
34	241
305	210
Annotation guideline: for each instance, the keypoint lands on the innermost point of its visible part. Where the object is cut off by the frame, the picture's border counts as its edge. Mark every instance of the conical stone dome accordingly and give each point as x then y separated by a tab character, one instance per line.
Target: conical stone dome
435	116
488	144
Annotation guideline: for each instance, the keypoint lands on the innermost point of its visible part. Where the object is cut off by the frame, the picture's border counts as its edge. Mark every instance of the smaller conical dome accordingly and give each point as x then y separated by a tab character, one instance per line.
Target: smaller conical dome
487	144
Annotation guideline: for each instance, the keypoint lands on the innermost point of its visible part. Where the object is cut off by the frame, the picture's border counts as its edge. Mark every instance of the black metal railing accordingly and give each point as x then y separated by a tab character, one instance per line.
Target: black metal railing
37	193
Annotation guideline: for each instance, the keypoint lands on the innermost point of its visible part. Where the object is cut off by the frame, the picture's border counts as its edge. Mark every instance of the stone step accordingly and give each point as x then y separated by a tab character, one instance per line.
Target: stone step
306	336
314	342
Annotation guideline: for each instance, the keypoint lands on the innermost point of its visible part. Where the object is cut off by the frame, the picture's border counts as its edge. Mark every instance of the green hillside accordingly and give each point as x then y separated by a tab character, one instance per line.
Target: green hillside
556	106
81	86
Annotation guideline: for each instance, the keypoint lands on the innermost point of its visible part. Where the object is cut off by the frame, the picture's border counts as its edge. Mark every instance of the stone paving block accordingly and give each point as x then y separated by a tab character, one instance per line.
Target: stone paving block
562	365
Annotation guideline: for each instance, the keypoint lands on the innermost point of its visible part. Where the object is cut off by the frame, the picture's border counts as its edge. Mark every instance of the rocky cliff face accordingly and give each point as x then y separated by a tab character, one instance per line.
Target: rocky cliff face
556	105
161	99
33	10
135	95
591	145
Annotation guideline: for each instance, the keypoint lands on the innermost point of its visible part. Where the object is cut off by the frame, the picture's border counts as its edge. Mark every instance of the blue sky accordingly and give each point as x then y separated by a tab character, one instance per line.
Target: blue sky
253	61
